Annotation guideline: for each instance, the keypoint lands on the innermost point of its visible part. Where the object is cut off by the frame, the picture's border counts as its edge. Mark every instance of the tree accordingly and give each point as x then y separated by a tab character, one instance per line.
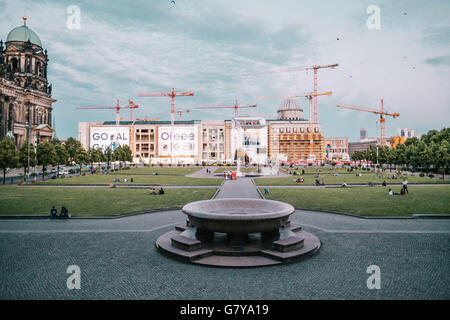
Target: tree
46	155
441	157
62	156
107	154
8	156
122	153
72	145
95	155
81	157
27	156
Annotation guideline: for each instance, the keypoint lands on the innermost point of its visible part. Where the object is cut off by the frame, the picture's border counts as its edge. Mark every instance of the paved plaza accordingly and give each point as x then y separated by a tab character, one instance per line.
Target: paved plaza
118	259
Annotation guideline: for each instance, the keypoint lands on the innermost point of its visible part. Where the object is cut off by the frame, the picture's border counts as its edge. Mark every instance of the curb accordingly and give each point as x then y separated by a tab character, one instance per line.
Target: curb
31	217
414	216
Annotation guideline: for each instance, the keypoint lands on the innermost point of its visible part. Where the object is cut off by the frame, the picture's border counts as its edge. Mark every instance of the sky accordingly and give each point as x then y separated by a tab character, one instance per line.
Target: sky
123	48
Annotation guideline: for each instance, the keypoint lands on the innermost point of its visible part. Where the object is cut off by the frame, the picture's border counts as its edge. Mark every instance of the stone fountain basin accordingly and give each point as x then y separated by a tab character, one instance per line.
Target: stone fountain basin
237	215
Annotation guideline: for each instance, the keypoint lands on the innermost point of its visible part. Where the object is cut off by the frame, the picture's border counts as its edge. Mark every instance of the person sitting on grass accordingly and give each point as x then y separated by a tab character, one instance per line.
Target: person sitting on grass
64	213
161	191
402	191
152	191
344	185
53	212
391	193
384	183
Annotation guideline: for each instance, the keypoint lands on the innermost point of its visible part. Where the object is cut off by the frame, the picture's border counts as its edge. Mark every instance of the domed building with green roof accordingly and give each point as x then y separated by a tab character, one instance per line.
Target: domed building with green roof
25	93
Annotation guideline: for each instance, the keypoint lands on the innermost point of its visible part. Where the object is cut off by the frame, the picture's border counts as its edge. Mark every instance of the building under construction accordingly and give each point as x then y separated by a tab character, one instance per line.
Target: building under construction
290	137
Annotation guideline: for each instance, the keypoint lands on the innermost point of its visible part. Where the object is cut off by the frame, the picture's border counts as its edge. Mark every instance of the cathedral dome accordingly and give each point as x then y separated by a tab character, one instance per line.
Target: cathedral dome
290	104
24	34
290	109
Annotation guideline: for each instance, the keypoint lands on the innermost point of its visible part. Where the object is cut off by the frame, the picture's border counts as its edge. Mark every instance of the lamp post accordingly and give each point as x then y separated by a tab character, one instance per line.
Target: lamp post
28	151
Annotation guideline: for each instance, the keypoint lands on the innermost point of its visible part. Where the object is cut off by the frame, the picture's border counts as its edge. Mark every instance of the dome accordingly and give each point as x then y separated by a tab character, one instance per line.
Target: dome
24	34
291	105
290	109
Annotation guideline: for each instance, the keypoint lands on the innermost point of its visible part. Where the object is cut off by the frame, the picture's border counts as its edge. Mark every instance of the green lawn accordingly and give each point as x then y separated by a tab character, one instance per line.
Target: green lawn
88	202
179	171
368	201
165	176
349	178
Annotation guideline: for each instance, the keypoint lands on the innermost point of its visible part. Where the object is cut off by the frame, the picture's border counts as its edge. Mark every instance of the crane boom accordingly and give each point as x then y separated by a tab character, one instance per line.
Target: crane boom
315	68
172	95
236	107
382	114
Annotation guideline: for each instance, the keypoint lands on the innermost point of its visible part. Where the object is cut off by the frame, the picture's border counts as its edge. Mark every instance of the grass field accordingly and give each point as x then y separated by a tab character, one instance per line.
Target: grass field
368	201
349	178
178	171
89	202
165	176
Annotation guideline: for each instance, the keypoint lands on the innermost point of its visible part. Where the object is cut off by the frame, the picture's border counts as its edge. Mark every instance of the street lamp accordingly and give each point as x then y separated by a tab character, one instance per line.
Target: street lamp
28	151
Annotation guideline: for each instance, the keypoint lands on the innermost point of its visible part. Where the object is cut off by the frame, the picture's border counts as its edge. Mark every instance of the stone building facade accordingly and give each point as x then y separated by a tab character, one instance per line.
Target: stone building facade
25	94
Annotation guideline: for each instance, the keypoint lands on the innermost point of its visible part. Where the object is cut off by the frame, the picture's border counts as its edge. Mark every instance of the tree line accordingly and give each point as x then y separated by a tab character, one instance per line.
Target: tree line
54	153
429	153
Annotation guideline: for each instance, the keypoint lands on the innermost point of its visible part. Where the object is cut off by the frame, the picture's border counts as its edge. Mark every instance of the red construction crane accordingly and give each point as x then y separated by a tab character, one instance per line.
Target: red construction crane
236	107
381	112
292	69
172	95
131	105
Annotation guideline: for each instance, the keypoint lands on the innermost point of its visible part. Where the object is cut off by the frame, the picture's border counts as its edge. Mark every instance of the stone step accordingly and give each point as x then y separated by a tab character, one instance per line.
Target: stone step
185	243
180	227
288	244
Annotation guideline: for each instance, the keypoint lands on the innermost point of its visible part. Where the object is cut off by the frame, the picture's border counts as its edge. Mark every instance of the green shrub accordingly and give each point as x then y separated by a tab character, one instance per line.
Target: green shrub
431	175
421	175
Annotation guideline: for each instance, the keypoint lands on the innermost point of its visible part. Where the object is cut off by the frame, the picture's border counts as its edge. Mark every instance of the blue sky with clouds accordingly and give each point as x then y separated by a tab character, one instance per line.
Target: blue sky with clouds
206	46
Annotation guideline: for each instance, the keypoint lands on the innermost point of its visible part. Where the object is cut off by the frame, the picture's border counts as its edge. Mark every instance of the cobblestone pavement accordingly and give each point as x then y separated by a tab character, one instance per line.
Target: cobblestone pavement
118	260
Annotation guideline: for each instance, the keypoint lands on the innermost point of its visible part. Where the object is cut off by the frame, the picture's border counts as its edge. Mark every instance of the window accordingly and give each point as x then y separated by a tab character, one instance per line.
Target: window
281	130
294	130
288	130
274	130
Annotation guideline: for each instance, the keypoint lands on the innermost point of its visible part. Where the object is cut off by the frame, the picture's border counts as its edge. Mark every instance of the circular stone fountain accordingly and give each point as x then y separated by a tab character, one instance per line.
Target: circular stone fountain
238	233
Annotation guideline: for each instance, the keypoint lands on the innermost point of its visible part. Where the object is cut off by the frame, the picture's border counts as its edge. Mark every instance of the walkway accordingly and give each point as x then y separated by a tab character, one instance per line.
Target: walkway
202	173
240	188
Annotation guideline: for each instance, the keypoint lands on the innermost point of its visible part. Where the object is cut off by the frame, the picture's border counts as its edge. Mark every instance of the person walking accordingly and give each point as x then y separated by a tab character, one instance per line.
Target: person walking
405	185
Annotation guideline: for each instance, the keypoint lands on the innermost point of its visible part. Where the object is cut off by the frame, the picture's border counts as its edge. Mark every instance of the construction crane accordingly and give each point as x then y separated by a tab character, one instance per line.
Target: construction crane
236	107
131	105
382	114
308	96
293	69
172	95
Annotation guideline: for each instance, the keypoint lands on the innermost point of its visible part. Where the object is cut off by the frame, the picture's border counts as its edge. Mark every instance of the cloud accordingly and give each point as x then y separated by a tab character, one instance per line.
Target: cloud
206	47
439	61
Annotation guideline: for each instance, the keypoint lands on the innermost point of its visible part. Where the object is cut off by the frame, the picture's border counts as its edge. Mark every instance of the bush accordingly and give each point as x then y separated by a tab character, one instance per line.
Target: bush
62	176
421	175
431	175
322	164
71	171
309	164
53	177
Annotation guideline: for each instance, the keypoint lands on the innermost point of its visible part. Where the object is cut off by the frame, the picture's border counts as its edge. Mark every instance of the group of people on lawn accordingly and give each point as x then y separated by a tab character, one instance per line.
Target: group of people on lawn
64	213
403	190
154	192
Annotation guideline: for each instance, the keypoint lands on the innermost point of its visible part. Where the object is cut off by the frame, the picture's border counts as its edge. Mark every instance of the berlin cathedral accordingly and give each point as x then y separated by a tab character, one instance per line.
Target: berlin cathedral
25	94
